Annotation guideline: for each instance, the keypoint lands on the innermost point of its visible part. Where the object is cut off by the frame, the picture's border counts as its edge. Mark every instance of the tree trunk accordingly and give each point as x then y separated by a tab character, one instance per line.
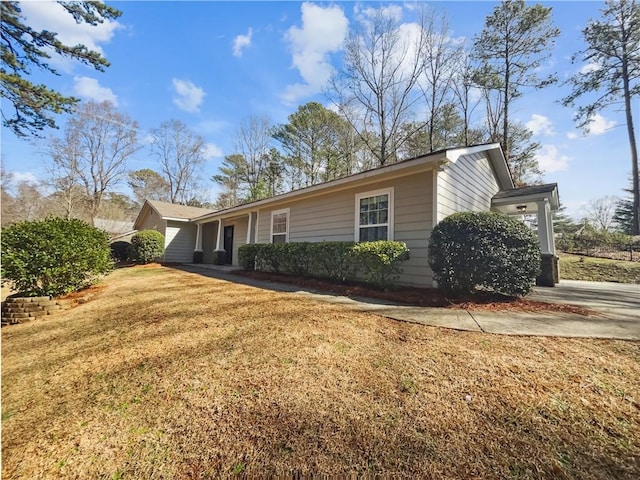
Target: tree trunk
635	227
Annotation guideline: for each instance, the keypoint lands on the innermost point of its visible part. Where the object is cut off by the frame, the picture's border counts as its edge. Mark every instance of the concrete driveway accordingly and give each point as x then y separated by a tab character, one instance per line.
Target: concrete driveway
614	300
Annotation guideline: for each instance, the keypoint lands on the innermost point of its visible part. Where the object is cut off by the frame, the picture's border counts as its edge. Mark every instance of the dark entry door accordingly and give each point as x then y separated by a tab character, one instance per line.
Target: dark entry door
228	245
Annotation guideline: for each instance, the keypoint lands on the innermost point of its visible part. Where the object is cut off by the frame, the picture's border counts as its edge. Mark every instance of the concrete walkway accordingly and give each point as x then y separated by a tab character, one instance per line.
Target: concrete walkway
617	305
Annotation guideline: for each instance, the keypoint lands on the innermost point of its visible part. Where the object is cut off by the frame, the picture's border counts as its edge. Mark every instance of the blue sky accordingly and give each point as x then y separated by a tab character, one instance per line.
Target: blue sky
213	64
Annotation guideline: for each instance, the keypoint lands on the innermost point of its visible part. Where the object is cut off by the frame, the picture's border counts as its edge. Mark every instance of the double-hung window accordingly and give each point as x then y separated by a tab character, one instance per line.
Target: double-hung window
280	226
374	216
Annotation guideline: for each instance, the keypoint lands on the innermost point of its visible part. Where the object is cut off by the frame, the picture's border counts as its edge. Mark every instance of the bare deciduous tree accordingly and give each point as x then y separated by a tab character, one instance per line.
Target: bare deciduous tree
253	142
440	60
180	153
93	152
465	93
376	89
600	212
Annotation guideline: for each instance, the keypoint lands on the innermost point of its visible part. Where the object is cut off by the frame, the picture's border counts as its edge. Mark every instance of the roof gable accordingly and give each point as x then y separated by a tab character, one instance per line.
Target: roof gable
169	211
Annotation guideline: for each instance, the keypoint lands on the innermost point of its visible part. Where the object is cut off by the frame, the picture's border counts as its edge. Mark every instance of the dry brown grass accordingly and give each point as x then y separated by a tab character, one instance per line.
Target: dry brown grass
173	375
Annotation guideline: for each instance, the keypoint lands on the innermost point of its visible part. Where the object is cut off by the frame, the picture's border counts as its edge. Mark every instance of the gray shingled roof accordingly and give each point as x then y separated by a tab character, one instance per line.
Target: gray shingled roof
173	210
529	190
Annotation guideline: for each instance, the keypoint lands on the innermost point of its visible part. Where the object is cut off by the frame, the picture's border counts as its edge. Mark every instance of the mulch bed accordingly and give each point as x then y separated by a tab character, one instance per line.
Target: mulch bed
422	297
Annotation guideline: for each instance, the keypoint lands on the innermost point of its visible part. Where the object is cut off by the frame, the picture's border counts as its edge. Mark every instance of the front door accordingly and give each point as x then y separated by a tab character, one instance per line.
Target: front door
228	245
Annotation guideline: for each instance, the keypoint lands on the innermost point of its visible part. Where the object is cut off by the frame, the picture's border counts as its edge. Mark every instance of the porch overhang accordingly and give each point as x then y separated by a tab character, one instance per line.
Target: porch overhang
540	200
526	200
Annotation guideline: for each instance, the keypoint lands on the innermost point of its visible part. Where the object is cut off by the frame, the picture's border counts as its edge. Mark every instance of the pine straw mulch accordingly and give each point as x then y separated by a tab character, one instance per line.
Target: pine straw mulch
422	297
170	374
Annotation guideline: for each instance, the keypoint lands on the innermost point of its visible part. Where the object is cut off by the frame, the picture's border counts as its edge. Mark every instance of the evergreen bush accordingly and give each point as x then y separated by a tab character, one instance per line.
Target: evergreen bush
54	256
147	246
486	250
379	261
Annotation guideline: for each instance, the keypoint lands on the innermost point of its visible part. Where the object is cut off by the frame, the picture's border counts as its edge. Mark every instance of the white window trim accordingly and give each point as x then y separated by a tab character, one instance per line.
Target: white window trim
276	212
390	215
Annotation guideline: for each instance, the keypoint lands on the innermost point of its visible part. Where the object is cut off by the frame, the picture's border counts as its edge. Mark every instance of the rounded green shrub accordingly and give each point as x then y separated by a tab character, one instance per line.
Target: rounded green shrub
147	246
485	250
54	256
120	251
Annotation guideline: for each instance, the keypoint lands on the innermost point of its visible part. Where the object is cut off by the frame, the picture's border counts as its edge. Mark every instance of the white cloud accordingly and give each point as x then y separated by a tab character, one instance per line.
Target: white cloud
211	150
600	125
53	17
28	177
540	125
188	97
89	88
390	12
572	135
241	42
550	159
589	67
323	32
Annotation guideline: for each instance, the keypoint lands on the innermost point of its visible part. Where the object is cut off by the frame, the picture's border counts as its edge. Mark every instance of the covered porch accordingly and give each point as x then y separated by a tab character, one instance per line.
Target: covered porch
541	201
218	239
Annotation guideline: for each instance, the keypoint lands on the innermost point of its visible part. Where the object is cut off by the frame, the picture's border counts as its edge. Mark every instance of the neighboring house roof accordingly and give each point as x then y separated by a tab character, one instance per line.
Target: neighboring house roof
171	211
112	226
404	167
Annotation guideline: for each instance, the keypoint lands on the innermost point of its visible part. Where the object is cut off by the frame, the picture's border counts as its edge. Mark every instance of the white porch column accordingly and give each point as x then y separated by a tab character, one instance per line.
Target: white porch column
552	237
198	238
219	246
545	227
249	228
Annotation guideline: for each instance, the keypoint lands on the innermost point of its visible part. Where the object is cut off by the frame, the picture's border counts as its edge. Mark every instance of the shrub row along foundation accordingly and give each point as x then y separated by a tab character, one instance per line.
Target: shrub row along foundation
21	309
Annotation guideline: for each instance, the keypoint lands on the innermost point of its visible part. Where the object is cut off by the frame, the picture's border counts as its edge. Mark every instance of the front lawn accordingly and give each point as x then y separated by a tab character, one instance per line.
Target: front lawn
169	374
577	267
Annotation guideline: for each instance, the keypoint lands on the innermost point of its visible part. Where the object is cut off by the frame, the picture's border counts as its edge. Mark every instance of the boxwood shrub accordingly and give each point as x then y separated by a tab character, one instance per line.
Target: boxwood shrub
379	262
335	260
54	256
487	250
147	246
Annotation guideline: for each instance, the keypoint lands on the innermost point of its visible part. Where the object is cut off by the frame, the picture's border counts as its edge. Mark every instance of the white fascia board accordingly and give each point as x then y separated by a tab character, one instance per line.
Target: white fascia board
532	198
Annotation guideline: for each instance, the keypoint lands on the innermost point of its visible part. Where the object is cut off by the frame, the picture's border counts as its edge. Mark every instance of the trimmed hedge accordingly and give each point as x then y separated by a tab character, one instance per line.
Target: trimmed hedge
378	261
54	256
147	246
487	250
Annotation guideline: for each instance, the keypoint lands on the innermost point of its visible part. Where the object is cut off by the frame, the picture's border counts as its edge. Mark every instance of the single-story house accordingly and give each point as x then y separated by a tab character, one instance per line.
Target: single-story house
173	222
402	201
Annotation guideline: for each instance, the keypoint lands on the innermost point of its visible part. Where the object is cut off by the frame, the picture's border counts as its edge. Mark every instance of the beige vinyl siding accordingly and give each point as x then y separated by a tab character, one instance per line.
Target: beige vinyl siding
466	185
331	217
180	240
153	221
239	236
